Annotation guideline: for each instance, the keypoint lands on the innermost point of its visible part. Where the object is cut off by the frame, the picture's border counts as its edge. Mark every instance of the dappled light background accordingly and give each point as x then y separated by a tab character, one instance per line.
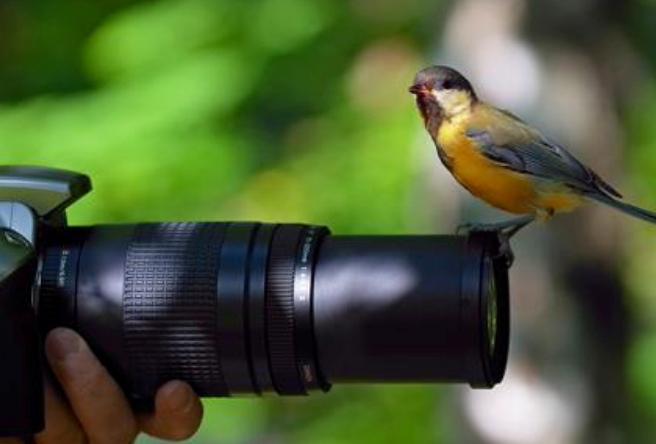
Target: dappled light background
297	110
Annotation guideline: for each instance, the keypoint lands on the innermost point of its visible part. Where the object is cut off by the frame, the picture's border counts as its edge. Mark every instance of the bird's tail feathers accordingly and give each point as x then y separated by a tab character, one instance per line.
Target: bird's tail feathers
624	207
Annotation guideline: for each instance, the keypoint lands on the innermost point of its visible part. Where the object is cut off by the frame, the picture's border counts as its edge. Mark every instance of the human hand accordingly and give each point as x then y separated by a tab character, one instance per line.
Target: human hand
96	410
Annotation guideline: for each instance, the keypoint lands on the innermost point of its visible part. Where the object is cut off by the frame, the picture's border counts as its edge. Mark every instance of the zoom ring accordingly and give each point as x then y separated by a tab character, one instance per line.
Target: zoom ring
280	310
170	306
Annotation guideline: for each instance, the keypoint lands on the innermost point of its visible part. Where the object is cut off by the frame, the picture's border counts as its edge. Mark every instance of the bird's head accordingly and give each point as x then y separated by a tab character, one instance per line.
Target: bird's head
442	92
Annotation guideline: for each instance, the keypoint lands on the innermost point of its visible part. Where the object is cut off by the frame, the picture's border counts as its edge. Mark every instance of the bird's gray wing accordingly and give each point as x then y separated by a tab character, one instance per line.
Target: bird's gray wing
524	150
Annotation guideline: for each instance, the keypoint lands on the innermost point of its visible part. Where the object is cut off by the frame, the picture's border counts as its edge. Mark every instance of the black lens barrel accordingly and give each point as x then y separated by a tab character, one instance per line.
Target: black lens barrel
210	303
241	307
410	309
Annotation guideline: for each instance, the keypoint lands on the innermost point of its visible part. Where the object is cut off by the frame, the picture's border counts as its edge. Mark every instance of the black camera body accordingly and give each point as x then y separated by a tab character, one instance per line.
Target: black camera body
238	307
29	198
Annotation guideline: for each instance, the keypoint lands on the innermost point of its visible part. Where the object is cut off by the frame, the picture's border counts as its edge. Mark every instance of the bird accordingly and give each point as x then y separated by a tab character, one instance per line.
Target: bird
504	161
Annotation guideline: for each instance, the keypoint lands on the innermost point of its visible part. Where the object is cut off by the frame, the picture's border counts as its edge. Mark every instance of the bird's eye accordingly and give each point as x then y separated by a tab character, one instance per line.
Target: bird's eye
447	84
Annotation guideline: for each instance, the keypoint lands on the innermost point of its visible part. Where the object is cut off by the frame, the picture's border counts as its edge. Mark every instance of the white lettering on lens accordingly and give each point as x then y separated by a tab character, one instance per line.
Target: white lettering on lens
63	261
306	250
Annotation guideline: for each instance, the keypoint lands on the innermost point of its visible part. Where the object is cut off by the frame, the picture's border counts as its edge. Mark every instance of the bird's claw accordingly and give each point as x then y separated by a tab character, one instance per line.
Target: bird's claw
505	250
466	228
503	235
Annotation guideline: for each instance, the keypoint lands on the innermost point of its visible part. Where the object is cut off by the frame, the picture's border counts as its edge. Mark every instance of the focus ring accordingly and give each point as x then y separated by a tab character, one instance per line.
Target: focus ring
280	310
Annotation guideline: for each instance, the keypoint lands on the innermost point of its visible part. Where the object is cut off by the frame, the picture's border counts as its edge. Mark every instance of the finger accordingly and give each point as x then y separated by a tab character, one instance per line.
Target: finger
61	426
96	399
178	413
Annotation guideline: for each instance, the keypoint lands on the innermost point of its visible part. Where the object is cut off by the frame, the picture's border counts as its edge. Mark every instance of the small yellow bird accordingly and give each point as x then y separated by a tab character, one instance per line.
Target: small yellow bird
502	160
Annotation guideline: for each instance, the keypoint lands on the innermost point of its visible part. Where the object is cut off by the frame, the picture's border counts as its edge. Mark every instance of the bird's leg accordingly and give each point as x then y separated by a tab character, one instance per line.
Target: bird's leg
505	230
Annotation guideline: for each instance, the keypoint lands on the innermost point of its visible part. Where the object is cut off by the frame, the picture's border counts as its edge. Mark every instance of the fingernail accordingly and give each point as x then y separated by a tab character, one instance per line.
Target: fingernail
179	396
62	343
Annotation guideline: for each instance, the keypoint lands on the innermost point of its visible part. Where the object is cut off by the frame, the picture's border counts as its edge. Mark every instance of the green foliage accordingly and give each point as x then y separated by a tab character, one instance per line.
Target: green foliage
275	110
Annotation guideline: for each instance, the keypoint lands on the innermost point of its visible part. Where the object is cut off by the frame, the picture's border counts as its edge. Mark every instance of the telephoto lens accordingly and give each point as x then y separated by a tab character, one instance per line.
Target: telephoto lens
236	308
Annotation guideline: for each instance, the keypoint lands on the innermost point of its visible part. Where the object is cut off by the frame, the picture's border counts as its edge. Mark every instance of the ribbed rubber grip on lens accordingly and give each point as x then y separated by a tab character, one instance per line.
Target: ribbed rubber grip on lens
280	310
170	306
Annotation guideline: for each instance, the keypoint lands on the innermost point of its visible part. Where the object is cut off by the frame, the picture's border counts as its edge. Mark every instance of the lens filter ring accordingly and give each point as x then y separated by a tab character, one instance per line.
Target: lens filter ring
497	270
485	294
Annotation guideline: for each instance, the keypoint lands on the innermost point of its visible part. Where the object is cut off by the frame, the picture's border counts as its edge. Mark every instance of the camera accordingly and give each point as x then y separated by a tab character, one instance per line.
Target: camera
238	307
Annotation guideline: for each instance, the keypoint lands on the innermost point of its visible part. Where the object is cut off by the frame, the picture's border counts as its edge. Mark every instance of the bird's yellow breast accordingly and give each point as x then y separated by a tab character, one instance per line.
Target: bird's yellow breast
501	187
497	185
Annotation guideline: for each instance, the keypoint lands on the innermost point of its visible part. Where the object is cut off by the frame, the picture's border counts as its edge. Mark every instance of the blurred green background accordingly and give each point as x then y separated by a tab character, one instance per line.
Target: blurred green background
297	110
